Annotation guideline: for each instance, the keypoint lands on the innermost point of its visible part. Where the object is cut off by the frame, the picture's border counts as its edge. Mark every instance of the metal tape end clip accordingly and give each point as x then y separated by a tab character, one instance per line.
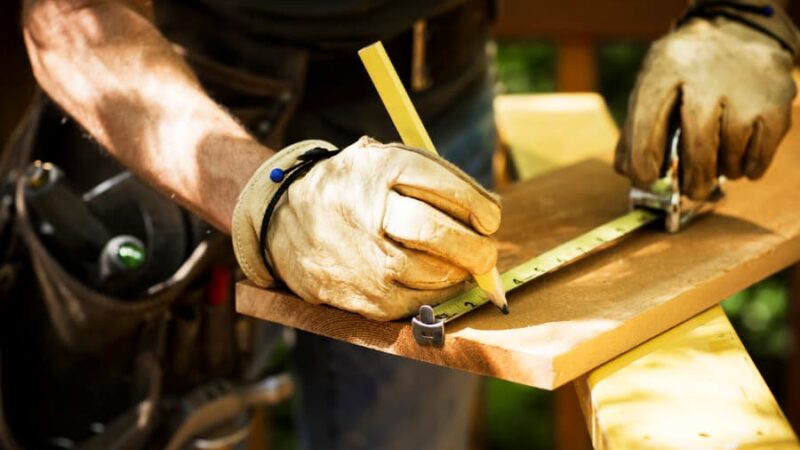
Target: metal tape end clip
665	194
427	330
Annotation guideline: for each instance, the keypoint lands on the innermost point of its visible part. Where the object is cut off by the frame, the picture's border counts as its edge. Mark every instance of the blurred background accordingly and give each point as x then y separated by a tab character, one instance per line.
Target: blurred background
568	46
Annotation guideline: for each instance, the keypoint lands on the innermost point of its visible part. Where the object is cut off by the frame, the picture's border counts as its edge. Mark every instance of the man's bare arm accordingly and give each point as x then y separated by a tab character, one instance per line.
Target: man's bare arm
108	66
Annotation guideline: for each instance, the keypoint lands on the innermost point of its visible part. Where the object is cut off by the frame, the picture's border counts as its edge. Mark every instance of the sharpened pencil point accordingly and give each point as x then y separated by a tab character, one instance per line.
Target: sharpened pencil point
492	285
505	309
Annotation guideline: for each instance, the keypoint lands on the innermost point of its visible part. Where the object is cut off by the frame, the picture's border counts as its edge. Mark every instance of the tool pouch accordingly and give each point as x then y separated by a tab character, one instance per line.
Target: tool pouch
63	342
86	321
263	99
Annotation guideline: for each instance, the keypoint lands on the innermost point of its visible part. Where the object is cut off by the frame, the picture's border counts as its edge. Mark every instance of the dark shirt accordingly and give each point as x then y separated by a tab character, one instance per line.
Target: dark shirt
324	24
337	100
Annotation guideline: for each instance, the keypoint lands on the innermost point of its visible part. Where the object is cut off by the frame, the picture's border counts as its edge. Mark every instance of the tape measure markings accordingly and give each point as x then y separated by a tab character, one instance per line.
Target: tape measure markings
412	131
549	261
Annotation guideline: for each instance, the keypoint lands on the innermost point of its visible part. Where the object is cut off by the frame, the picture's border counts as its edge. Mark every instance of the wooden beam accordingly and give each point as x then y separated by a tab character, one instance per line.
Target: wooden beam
692	387
571	321
600	19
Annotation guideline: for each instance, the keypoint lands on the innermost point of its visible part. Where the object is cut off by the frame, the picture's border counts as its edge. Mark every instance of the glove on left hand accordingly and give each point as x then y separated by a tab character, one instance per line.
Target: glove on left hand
378	229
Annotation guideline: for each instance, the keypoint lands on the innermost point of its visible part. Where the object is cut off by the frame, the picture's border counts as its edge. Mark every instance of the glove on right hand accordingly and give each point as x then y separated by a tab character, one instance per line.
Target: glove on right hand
735	91
378	229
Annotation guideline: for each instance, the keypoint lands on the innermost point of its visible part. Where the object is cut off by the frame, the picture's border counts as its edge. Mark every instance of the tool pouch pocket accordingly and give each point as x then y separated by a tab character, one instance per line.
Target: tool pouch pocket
84	320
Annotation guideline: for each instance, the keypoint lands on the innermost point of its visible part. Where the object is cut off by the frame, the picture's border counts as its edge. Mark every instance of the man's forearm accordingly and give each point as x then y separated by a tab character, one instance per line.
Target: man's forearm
107	65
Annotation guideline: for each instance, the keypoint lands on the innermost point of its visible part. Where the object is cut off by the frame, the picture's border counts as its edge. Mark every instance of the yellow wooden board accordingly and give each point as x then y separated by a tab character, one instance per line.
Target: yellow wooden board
545	131
693	387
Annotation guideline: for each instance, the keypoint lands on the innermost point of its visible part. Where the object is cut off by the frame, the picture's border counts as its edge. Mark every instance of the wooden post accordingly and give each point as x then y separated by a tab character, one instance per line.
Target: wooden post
259	430
576	65
568	421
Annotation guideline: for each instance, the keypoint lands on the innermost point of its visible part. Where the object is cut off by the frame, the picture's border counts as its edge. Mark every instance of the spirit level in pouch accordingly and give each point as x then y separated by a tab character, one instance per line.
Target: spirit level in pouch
663	200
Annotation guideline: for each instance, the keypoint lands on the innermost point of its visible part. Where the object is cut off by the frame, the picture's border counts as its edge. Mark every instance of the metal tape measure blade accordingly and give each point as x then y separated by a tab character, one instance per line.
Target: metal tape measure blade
549	261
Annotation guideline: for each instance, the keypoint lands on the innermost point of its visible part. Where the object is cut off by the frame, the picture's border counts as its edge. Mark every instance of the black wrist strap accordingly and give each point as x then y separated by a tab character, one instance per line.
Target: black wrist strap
762	16
286	177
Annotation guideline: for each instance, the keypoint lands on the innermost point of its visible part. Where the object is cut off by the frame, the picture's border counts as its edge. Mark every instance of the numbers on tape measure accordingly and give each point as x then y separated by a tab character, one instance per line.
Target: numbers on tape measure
547	262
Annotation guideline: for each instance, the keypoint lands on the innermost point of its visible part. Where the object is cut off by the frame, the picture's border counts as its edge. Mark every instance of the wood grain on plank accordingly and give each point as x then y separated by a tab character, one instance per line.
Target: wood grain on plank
571	321
694	386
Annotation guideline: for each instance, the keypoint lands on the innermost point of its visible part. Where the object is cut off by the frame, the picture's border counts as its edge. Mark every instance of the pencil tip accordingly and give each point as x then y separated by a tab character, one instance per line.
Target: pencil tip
505	309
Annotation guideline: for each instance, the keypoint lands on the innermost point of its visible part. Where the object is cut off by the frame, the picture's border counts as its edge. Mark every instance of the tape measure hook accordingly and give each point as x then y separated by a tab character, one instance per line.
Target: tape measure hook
665	193
426	328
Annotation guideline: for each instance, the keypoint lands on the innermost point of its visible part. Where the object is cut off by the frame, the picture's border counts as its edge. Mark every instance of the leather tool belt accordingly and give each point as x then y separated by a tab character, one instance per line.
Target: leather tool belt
433	51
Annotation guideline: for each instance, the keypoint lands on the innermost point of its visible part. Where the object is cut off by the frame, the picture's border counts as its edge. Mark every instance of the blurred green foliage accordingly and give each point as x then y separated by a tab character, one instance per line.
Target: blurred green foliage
517	416
619	63
760	316
527	66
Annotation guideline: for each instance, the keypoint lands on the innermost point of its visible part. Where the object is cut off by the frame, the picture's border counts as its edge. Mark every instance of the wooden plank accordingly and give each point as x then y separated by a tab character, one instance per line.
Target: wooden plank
569	322
692	387
579	125
600	19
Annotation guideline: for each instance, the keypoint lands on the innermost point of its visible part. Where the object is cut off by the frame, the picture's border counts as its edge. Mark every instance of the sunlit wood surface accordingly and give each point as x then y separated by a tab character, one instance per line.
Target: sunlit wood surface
571	321
694	387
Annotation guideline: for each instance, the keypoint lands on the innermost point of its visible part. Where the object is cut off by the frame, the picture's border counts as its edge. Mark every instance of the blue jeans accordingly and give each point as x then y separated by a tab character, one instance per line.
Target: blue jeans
354	398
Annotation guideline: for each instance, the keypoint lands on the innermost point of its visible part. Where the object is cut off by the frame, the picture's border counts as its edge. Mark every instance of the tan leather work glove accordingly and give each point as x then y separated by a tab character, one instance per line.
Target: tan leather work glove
735	90
378	229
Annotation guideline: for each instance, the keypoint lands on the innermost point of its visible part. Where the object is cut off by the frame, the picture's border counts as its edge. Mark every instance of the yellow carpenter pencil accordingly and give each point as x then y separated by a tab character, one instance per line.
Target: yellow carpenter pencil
413	133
